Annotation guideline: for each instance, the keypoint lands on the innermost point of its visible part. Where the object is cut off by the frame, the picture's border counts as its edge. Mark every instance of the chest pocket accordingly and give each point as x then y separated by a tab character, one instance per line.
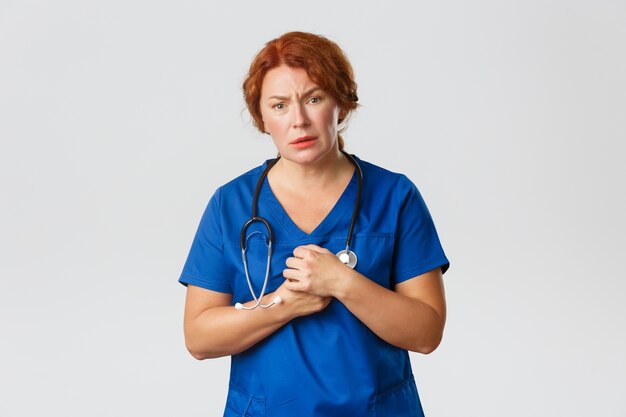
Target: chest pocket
374	252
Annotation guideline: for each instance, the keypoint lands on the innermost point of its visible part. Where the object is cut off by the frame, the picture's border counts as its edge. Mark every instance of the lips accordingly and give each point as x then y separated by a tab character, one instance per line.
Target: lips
303	139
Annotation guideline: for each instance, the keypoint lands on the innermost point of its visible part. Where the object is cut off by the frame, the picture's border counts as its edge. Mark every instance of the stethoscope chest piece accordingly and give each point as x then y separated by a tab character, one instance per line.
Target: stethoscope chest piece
347	257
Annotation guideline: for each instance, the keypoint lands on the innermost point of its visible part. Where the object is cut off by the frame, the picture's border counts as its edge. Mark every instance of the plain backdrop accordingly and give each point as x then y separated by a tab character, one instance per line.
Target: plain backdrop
119	119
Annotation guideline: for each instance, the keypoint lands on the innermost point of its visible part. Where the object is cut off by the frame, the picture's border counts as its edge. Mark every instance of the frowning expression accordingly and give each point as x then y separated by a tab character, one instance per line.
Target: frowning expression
301	117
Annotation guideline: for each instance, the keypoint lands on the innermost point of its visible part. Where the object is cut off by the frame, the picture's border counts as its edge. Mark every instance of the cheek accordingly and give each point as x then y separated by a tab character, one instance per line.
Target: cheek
268	122
329	120
273	125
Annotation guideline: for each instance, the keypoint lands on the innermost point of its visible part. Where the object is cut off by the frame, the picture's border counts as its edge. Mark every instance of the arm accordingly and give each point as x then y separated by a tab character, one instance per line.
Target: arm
214	328
412	317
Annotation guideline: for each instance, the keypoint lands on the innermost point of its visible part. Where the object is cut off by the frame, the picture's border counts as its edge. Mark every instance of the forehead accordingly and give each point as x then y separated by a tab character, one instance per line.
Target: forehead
284	80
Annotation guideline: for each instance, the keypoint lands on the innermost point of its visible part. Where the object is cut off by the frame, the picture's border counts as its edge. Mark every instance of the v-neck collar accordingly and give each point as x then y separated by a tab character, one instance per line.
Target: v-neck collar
342	208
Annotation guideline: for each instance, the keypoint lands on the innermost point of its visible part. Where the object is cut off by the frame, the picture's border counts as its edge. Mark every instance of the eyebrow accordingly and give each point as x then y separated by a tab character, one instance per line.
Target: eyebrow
306	93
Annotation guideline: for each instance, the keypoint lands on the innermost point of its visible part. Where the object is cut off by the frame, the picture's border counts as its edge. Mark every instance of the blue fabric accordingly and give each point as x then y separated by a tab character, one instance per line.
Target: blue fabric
329	363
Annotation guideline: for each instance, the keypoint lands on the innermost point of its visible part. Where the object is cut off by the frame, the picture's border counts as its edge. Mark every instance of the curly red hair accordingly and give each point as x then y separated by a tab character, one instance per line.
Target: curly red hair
324	61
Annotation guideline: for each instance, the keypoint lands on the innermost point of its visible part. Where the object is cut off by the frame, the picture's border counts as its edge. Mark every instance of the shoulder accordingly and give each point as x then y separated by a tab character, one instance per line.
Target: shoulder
243	183
247	177
382	178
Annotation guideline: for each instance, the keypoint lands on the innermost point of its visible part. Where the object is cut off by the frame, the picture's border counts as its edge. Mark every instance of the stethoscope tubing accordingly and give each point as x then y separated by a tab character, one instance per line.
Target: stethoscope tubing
355	210
346	256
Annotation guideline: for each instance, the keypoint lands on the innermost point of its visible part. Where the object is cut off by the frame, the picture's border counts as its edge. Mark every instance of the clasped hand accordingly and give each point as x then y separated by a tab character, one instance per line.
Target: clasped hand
314	270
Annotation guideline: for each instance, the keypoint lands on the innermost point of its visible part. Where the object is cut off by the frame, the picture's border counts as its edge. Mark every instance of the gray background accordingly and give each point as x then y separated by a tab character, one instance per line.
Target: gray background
118	120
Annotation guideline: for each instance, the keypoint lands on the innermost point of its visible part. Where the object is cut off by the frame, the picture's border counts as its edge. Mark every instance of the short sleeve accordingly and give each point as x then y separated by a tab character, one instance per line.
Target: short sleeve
417	247
205	265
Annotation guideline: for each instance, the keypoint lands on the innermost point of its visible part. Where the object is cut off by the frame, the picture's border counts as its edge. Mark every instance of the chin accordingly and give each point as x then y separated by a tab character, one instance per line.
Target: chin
307	156
304	157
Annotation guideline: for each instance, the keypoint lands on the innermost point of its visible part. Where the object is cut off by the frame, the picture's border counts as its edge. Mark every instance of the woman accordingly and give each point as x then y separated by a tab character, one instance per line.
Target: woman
332	340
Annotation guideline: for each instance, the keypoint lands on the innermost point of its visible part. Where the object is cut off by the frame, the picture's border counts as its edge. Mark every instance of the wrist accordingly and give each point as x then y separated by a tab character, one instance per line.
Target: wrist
280	311
344	284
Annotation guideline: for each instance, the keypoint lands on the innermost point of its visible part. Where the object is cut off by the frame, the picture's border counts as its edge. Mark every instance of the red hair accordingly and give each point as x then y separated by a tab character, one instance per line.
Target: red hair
324	61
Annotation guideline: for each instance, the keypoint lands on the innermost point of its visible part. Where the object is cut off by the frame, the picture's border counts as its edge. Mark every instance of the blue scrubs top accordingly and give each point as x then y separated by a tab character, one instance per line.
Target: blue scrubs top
328	363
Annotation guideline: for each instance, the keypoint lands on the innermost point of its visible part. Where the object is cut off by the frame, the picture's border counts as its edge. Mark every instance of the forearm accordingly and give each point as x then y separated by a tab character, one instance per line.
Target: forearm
223	331
402	321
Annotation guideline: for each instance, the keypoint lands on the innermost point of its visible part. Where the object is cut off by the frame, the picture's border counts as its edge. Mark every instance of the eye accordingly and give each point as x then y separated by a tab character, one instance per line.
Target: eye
315	100
278	106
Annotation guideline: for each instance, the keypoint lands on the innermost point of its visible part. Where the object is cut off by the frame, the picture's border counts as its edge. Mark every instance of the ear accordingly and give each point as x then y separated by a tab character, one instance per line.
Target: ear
342	114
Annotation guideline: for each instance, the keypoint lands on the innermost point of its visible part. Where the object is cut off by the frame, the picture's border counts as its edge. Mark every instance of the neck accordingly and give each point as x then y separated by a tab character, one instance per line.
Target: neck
317	175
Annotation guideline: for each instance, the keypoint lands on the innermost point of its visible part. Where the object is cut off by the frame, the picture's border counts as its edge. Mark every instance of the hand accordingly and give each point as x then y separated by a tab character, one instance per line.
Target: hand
314	270
299	303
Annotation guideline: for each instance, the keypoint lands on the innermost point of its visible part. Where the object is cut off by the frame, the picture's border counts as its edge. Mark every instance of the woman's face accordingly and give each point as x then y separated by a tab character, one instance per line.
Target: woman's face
301	118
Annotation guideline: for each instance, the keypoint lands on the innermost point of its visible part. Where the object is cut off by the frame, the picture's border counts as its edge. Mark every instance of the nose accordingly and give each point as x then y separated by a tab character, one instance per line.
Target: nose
300	118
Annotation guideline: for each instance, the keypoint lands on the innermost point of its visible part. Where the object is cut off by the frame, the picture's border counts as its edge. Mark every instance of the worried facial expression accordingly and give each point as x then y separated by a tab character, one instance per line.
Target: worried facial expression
301	117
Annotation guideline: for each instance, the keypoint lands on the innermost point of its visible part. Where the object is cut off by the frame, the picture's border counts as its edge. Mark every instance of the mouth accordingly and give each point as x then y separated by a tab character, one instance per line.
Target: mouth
303	139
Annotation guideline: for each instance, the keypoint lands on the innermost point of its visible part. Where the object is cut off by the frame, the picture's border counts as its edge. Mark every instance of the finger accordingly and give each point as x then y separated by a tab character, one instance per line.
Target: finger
301	252
293	286
294	263
291	274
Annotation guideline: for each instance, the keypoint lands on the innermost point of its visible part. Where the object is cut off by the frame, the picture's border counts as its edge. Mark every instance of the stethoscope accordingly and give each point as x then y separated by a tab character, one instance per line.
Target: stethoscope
346	256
